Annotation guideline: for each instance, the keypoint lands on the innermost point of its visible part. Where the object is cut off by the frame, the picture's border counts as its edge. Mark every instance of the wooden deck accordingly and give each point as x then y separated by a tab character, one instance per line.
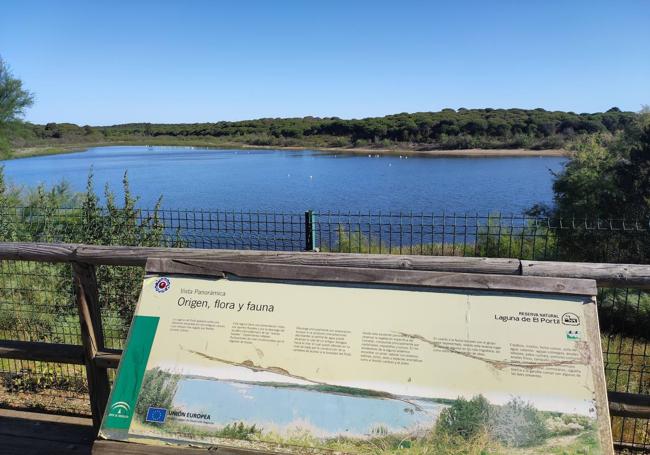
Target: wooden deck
27	433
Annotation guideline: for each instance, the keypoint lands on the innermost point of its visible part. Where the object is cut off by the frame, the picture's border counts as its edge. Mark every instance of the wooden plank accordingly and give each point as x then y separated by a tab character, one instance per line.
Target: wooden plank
50	427
105	447
108	358
92	337
629	447
46	352
374	276
139	256
624	404
596	363
607	275
12	445
35	433
41	252
57	352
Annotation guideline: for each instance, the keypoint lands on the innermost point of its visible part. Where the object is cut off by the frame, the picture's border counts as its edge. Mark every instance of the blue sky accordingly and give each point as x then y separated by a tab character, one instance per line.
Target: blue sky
107	62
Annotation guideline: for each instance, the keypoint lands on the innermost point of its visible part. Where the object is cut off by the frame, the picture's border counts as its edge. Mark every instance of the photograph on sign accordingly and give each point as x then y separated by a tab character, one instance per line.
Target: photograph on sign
277	366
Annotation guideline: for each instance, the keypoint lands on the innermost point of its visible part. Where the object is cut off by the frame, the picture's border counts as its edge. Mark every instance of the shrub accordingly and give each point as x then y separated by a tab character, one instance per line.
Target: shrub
158	390
28	380
517	424
465	418
238	430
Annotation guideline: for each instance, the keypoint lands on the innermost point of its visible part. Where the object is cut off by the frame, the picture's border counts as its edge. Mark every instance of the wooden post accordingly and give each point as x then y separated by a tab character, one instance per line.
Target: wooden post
92	337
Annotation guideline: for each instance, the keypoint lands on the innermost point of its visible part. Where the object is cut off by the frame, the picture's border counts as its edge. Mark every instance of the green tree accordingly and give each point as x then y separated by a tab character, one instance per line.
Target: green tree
608	179
517	424
586	186
14	99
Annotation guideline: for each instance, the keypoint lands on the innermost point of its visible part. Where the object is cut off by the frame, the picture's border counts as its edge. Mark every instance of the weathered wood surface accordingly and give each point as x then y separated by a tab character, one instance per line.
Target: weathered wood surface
30	433
46	352
137	256
607	275
624	404
105	447
92	337
57	352
108	358
373	276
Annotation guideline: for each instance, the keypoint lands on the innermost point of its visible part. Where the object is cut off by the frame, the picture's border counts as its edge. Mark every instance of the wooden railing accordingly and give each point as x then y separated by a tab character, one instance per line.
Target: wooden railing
97	359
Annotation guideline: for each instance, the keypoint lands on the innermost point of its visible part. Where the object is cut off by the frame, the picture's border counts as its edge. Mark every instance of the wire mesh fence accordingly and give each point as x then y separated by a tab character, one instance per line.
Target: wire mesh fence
37	299
495	235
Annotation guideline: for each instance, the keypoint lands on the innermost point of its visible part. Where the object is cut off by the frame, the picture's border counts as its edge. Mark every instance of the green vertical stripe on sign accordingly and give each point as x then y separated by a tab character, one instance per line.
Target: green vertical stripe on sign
129	376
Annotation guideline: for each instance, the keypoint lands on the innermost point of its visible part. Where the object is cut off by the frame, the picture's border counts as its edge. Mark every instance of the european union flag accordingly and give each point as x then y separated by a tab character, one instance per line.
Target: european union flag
156	415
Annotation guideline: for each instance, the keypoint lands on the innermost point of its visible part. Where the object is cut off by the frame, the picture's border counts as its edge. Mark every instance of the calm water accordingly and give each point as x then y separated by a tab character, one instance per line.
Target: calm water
299	180
286	408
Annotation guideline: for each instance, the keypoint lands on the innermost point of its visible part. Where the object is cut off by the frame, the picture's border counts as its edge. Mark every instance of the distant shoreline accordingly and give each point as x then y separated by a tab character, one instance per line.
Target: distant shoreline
34	151
442	153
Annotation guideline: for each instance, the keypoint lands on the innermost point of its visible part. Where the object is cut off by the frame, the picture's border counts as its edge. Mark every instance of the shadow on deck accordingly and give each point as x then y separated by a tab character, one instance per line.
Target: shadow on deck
27	433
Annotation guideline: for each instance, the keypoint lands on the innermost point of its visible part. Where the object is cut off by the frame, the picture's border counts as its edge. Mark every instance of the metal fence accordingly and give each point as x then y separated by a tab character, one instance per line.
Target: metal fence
37	299
497	235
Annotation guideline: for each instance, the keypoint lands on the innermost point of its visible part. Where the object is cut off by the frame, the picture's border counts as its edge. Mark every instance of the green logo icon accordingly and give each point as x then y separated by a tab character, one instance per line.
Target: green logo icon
573	335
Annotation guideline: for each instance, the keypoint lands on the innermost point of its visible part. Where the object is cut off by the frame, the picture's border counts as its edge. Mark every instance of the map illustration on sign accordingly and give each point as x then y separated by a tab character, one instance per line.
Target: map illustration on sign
316	368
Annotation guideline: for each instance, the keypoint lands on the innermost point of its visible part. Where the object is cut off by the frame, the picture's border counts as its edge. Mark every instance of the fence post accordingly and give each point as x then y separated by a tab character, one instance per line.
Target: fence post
92	337
310	231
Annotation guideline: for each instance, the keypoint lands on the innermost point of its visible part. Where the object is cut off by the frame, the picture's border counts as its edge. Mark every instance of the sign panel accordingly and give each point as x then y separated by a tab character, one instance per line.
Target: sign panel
296	367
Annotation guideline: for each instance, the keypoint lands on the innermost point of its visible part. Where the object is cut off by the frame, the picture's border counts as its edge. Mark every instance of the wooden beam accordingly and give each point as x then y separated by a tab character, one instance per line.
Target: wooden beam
40	252
47	427
356	275
607	275
92	337
58	353
44	352
624	404
108	358
106	447
139	256
630	447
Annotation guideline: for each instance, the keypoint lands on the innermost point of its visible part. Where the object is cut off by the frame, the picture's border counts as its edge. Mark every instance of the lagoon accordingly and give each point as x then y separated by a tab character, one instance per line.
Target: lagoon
299	180
284	409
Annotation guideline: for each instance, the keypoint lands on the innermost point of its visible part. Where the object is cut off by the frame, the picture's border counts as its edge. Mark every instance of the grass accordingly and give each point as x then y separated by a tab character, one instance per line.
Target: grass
380	443
490	240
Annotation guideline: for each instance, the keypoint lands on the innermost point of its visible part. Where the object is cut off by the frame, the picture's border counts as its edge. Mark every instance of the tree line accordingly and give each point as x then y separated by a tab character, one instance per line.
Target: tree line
446	129
449	129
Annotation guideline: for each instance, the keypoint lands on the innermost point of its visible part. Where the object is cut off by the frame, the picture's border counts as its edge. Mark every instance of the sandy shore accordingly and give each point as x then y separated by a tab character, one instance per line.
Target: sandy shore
26	152
441	153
